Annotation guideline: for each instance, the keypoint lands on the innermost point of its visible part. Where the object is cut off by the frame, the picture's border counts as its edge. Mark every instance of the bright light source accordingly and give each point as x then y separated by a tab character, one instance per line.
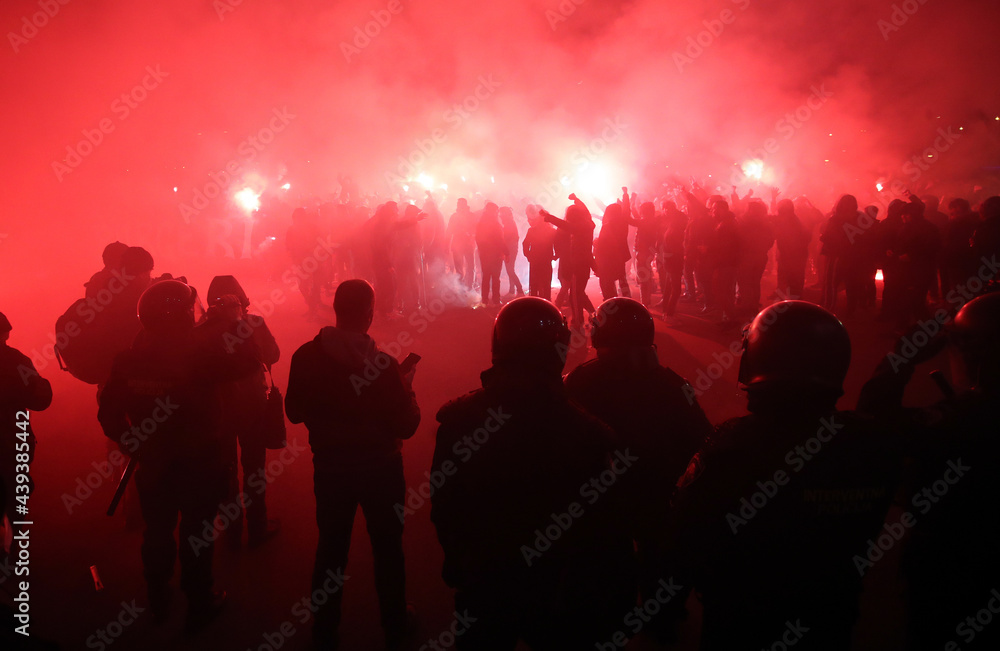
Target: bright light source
443	186
287	186
753	169
425	180
463	179
248	199
406	188
175	188
492	180
878	275
879	186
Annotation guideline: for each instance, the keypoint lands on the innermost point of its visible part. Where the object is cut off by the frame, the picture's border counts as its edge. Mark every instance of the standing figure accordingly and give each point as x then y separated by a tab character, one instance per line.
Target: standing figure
523	457
511	240
356	427
670	256
22	390
756	239
492	252
580	226
462	235
538	247
662	425
611	252
244	402
793	250
169	379
722	253
826	479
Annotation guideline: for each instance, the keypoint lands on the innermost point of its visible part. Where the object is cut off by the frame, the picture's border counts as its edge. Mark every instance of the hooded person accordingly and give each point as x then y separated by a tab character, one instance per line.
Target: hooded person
244	402
358	406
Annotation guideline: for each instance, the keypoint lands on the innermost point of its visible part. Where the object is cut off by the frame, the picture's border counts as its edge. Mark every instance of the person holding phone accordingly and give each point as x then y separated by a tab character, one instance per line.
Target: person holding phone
358	405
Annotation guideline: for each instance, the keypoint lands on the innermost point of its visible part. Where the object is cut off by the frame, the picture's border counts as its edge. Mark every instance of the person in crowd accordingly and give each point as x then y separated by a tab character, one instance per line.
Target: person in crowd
243	404
569	591
538	248
356	425
169	377
492	252
825	478
462	236
756	239
662	425
579	224
511	240
611	252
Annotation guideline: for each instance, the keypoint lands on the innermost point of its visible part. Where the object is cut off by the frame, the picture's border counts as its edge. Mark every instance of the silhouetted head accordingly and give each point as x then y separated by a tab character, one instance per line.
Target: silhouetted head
958	208
226	285
786	208
872	211
354	305
912	212
720	209
756	210
896	209
575	214
5	327
794	353
621	323
491	211
166	308
847	208
463	205
612	213
990	208
411	211
530	333
112	255
506	216
976	333
647	213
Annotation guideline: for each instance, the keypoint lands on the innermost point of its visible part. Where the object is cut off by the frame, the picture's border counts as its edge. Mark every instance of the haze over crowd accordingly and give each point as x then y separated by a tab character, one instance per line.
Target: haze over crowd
512	96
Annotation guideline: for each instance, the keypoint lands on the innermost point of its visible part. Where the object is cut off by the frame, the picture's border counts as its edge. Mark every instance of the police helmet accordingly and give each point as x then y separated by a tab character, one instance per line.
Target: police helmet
167	306
795	344
621	322
976	333
529	328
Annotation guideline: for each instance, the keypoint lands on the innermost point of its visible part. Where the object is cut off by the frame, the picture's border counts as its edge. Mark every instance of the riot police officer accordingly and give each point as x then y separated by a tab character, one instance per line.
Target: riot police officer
654	413
772	511
532	541
950	558
160	403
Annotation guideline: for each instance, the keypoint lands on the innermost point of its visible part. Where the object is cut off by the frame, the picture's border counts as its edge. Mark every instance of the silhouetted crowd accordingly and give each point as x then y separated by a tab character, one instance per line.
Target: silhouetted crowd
688	245
577	512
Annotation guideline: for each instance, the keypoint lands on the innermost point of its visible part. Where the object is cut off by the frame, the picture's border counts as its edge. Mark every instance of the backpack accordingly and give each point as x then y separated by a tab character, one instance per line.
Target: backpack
87	342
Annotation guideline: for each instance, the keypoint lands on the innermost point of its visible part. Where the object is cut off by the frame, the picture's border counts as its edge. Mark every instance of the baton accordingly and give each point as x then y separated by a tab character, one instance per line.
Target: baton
122	485
942	384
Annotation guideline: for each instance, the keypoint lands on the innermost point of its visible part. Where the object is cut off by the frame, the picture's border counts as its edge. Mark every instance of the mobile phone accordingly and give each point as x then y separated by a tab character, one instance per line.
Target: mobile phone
408	363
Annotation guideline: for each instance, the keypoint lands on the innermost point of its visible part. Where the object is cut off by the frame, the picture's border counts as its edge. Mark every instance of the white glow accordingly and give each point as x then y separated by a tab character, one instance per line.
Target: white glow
248	199
175	188
425	180
287	186
754	169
